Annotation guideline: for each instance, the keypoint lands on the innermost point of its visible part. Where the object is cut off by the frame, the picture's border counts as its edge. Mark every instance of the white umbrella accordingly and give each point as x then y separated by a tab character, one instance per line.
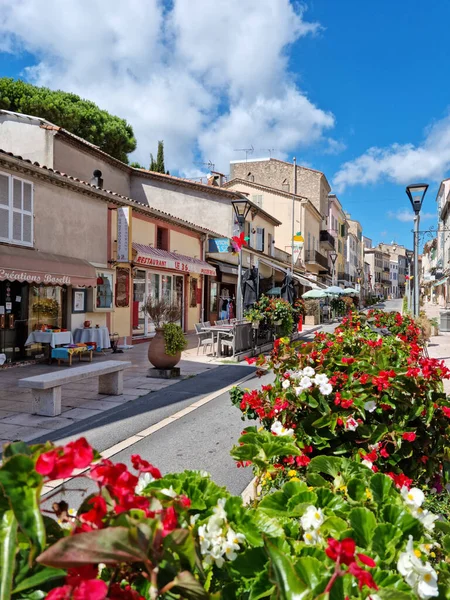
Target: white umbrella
351	292
334	290
310	294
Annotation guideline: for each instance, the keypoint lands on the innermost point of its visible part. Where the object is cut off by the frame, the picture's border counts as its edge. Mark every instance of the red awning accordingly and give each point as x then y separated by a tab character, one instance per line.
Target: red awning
32	266
152	257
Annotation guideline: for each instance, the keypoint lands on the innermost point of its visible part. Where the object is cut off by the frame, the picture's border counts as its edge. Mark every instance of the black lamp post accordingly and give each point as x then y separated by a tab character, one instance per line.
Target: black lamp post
241	209
416	193
333	256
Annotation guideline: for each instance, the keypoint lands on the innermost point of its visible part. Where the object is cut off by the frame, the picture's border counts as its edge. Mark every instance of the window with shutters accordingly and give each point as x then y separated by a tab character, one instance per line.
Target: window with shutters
16	210
260	239
257	199
270	245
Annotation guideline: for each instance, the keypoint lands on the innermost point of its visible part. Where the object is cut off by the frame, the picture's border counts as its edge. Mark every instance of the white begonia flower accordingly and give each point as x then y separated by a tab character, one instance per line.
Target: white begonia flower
312	518
299	390
231	544
169	492
425	517
143	481
367	464
297	374
413	498
305	382
312	537
373	597
351	424
217	539
219	509
286	383
370	406
325	389
309	372
279	429
321	379
422	578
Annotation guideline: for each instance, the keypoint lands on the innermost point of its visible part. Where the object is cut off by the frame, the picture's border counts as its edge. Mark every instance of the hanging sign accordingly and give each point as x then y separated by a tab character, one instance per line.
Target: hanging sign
123	234
219	245
297	245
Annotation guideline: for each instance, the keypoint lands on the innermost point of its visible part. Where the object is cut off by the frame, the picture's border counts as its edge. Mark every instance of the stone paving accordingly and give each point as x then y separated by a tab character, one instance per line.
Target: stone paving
80	400
439	345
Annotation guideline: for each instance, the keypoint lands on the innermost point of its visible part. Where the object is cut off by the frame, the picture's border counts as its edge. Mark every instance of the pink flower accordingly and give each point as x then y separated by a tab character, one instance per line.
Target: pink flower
409	436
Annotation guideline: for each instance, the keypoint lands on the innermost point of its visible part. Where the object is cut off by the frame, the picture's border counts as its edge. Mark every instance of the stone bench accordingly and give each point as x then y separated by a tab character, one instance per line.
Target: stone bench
46	389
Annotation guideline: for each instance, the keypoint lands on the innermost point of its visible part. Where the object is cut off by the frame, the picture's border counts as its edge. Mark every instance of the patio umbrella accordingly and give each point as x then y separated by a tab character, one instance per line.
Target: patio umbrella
334	290
249	287
310	294
287	289
275	291
351	292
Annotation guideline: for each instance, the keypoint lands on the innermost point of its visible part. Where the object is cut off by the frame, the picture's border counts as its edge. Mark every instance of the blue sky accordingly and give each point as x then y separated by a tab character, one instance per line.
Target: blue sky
324	81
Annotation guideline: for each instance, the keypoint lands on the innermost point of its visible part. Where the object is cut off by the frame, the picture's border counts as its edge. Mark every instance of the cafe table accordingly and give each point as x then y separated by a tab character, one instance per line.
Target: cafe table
217	330
52	338
99	335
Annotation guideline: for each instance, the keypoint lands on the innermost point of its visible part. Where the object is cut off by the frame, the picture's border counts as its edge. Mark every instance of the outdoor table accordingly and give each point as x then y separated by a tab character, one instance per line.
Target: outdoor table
99	335
218	329
51	338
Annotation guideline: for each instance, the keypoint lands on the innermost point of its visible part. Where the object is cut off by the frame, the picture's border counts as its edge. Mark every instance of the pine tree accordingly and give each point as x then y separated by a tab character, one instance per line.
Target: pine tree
152	166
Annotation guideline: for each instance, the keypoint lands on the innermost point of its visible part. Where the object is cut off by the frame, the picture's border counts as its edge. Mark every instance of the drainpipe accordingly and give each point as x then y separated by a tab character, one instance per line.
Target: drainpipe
202	311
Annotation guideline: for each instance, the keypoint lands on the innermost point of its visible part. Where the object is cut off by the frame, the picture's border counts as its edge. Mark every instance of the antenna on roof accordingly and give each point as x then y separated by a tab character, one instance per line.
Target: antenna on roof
246	150
269	150
208	164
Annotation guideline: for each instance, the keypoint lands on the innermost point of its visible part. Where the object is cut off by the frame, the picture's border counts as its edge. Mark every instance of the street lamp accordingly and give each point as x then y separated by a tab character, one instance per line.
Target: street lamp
241	209
359	272
416	193
333	256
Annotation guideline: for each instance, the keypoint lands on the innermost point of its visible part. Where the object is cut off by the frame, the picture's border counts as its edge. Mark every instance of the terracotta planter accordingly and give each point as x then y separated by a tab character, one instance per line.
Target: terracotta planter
157	355
311	320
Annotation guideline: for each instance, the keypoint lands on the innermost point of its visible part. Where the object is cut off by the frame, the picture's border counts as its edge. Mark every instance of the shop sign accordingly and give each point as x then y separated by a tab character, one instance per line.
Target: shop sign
297	245
175	265
123	234
46	278
219	245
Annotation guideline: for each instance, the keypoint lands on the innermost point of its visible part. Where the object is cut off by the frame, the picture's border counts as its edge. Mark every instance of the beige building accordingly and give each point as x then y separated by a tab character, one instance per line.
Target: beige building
379	266
271	182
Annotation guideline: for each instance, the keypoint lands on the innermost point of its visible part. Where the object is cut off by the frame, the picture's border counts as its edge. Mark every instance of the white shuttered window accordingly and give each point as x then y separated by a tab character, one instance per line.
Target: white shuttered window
16	210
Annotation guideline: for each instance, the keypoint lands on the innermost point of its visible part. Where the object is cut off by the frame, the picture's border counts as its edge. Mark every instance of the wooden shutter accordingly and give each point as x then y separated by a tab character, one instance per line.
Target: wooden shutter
22	212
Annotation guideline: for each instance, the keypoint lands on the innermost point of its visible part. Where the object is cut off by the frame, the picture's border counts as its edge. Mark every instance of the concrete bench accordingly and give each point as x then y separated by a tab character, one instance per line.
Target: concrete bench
46	389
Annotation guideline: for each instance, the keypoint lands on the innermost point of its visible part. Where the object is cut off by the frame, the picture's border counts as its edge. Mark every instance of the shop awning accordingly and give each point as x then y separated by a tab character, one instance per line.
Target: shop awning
32	266
224	268
153	257
440	282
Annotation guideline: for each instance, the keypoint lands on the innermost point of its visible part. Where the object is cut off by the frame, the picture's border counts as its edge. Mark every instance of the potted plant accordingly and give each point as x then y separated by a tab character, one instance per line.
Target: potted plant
164	351
434	326
255	316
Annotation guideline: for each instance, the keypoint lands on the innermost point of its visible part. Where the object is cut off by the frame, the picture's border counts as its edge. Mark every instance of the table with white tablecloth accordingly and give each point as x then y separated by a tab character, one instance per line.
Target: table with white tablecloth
53	338
99	335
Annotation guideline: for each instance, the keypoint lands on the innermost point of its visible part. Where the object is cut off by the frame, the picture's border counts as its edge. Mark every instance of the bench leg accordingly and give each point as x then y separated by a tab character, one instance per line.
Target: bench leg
47	402
111	384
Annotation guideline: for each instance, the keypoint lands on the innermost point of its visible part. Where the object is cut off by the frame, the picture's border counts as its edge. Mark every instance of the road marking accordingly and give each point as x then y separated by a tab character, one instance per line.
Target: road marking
137	437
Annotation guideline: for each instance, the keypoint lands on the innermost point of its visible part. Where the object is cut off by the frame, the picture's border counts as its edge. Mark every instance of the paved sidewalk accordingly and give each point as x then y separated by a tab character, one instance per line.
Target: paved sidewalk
80	400
439	345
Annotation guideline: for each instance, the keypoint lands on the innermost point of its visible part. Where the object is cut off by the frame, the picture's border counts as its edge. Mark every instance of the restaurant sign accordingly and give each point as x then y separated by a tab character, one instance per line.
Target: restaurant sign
175	265
44	278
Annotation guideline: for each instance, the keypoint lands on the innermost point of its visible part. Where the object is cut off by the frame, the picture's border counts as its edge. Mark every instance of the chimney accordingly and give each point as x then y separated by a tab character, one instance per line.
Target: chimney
97	178
218	177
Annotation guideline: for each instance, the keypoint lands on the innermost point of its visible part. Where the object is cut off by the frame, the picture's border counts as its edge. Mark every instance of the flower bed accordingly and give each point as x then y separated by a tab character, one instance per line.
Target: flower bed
328	524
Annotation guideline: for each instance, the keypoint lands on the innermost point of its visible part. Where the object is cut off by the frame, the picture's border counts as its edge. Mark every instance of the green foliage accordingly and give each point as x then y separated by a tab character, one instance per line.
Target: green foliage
82	117
174	339
158	165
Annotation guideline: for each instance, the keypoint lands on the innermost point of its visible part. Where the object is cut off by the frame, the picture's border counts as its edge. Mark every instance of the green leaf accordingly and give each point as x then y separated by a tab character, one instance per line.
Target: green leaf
356	489
16	448
327	465
274	504
363	523
268	525
283	574
261	586
189	586
386	538
8	548
310	570
381	486
402	519
250	562
446	543
387	594
22	486
333	526
182	543
39	578
109	546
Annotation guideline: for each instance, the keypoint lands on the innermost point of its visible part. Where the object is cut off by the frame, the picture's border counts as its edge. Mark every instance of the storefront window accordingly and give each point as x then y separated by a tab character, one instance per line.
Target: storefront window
138	302
213	297
104	291
46	307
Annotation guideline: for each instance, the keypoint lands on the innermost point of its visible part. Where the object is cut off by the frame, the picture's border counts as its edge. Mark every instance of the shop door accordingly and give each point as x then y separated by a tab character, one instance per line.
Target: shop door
147	284
139	296
13	319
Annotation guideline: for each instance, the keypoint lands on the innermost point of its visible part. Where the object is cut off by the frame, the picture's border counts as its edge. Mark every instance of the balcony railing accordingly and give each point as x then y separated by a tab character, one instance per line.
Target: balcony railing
327	239
386	269
315	257
344	276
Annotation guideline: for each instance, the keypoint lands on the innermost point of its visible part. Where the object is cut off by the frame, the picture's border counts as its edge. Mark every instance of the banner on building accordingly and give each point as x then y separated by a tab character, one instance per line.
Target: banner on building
123	233
297	245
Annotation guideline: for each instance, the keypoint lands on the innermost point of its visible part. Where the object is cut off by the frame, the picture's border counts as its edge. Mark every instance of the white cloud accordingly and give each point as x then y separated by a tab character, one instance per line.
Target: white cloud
401	163
207	77
406	216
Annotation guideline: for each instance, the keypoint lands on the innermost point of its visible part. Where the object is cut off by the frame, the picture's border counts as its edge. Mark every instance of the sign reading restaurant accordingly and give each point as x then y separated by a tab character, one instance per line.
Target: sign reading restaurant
46	278
175	265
